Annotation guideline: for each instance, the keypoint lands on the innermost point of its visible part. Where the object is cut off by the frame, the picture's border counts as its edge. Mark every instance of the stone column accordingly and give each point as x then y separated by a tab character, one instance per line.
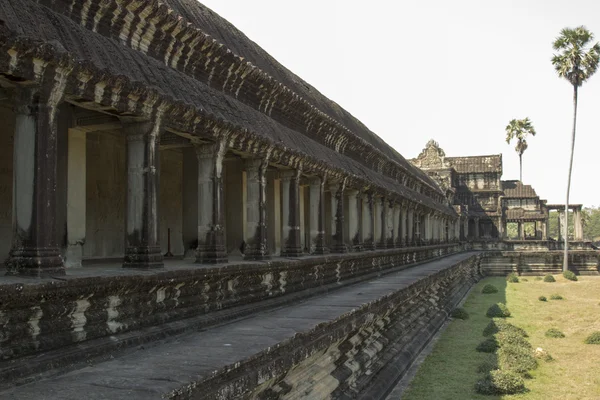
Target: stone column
256	210
76	197
521	230
211	207
337	220
353	216
290	221
317	216
476	228
578	224
383	217
560	224
142	245
403	227
411	227
368	222
34	250
396	225
544	231
389	224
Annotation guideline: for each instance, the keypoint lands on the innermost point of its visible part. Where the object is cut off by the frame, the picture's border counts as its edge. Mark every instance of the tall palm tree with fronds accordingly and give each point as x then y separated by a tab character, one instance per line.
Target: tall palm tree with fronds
519	129
576	61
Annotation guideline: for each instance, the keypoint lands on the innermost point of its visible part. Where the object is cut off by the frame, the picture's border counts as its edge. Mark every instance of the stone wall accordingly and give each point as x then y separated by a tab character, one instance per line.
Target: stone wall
6	177
500	263
358	355
39	317
106	193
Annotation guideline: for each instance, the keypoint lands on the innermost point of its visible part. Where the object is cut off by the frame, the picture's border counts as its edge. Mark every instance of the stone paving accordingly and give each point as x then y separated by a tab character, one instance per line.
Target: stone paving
152	371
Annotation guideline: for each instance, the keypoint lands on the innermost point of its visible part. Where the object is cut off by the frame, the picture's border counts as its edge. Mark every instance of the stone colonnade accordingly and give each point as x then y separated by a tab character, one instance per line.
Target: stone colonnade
373	219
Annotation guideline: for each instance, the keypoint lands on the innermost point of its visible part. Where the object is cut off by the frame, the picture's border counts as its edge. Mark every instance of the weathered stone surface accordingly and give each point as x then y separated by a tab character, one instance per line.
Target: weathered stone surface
501	263
44	316
348	335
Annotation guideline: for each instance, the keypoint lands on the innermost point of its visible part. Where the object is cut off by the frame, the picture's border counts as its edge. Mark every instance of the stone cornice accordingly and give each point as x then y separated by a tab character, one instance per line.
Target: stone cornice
122	97
151	27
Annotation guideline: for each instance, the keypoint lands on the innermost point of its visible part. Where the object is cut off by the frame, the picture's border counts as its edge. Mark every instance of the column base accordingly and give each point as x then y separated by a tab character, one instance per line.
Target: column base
320	250
357	247
257	257
292	252
143	258
35	262
339	249
256	253
212	255
369	246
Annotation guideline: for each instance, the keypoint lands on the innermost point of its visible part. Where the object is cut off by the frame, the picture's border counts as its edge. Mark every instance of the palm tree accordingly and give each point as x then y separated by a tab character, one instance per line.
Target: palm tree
519	129
576	63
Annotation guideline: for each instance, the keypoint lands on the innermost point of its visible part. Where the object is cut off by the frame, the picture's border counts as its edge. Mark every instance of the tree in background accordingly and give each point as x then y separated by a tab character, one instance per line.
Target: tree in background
519	129
591	223
575	62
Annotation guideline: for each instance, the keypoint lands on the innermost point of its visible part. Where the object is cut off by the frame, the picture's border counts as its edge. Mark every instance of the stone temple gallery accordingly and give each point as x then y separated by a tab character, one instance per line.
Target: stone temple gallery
181	216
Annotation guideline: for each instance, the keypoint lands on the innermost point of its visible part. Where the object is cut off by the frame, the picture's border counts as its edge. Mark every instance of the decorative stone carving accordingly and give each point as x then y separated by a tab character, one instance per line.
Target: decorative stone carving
432	157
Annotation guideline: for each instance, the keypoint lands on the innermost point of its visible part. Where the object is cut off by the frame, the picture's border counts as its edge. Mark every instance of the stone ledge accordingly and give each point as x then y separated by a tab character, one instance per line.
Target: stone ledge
500	263
107	312
348	335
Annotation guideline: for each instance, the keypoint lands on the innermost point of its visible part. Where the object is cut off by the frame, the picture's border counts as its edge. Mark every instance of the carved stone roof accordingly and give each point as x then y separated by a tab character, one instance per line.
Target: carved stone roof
522	214
477	164
192	60
433	157
516	189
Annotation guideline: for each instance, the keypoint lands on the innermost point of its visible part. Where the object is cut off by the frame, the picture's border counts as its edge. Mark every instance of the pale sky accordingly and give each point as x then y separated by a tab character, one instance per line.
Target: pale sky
453	71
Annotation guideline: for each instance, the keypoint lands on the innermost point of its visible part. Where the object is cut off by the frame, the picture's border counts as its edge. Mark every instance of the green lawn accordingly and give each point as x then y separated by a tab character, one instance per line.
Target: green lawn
450	371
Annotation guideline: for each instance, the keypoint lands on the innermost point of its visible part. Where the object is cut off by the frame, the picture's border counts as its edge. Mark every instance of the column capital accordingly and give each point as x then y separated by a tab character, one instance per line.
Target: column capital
289	174
315	181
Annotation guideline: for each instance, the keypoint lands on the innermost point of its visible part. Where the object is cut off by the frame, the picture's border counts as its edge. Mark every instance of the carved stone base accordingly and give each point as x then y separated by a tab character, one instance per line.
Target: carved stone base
35	262
256	254
143	258
369	245
320	250
339	248
212	255
292	252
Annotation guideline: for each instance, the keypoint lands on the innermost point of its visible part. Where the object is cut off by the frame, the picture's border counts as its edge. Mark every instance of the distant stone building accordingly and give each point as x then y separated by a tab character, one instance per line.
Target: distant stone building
488	204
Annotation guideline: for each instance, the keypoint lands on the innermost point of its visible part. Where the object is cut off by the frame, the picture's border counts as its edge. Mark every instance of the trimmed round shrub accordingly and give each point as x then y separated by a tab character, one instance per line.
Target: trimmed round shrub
487	346
594	338
518	359
500	325
512	338
512	278
554	333
570	275
498	310
500	382
542	298
524	280
538	278
459	313
488	289
549	278
487	366
556	297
